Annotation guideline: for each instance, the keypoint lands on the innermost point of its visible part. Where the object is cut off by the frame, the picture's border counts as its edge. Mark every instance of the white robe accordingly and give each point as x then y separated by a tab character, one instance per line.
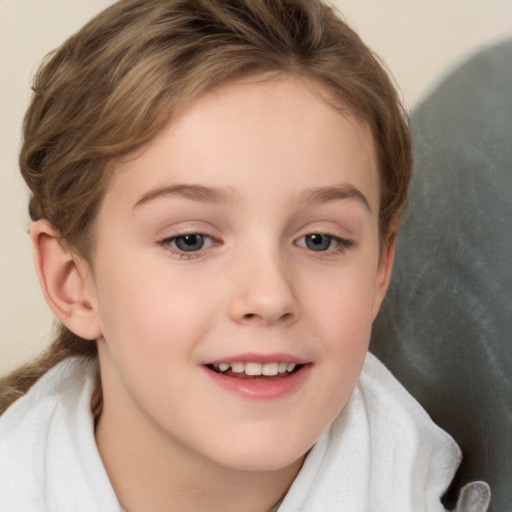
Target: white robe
382	454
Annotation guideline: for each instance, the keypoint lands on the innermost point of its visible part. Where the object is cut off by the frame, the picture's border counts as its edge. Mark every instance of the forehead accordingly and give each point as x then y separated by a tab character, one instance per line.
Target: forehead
269	130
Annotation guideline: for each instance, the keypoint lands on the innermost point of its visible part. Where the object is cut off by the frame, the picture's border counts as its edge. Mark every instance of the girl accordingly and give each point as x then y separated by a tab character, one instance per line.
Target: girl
216	187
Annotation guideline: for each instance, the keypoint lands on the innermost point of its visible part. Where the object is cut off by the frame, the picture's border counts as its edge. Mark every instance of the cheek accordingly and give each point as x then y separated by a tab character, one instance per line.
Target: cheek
343	304
343	319
149	312
150	330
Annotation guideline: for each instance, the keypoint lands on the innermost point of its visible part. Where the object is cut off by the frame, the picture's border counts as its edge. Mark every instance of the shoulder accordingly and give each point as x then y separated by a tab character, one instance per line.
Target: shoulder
408	446
410	461
393	411
59	387
37	431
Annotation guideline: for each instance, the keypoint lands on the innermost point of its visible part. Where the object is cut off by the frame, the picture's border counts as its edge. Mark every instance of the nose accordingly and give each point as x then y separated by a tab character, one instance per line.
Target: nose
264	291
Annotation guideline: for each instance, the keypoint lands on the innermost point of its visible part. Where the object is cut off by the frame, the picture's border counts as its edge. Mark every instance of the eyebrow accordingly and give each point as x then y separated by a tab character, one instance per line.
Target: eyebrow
194	192
206	194
335	193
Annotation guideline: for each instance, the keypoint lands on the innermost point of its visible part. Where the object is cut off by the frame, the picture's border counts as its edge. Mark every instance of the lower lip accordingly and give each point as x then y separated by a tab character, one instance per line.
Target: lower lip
262	389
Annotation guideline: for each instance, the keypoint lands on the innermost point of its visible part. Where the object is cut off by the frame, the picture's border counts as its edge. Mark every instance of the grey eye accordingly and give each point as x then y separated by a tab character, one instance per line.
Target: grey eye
190	243
318	242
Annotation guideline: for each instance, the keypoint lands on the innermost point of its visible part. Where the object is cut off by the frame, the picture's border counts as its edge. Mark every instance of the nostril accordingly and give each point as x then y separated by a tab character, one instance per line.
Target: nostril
250	317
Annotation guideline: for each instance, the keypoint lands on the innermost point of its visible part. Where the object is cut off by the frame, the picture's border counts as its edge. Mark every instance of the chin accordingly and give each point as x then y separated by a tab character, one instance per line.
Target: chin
273	457
258	465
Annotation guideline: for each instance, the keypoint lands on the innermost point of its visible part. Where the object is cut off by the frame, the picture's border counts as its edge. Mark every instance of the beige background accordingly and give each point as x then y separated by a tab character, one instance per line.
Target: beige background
421	40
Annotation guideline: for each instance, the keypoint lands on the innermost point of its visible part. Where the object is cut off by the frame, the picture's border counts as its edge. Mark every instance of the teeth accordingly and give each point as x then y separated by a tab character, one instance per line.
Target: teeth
237	367
270	369
255	369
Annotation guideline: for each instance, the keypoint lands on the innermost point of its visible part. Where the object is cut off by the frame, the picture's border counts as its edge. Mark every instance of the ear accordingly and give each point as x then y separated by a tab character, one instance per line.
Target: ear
66	281
383	275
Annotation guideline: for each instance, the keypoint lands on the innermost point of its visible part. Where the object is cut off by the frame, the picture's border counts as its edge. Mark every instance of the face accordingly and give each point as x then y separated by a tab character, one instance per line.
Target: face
236	274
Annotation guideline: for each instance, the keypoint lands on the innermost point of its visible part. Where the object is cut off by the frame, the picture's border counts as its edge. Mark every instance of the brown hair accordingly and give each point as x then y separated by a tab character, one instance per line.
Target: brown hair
110	88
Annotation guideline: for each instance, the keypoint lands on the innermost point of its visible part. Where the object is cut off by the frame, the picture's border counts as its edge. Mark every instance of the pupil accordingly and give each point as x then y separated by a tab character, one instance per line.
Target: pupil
318	242
189	243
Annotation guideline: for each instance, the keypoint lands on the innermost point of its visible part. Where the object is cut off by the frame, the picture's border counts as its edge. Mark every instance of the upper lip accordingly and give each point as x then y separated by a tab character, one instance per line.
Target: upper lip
260	358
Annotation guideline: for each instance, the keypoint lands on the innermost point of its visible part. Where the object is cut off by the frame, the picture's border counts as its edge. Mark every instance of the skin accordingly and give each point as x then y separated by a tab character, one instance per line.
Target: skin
170	438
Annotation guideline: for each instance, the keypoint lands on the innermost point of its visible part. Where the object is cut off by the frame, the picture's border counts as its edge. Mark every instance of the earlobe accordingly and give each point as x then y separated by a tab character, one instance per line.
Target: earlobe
66	286
385	266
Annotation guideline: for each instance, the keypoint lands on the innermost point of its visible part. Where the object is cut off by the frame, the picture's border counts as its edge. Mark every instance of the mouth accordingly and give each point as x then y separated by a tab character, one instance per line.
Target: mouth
260	377
256	371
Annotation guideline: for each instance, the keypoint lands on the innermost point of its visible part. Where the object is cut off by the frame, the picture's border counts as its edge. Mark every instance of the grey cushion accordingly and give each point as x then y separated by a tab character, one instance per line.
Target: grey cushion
445	329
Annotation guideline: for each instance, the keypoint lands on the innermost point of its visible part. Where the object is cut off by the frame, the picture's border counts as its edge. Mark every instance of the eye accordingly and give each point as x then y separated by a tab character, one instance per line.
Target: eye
187	243
320	242
190	243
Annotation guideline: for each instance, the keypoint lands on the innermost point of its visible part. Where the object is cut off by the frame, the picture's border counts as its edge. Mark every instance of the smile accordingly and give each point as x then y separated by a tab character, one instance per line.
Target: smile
260	377
253	369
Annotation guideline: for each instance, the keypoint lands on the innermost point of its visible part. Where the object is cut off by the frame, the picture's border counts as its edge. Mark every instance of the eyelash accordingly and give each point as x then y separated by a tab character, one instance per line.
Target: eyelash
169	244
342	244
